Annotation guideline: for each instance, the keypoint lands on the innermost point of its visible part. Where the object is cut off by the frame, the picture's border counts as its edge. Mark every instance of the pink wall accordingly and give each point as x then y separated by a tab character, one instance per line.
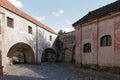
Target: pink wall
92	33
106	53
117	41
89	35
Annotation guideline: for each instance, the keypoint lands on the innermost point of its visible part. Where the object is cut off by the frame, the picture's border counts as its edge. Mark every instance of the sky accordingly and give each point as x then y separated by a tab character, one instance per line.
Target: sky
59	14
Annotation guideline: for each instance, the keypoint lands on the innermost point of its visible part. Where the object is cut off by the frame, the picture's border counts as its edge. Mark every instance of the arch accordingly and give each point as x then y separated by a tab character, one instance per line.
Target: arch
21	53
68	52
49	55
87	48
106	40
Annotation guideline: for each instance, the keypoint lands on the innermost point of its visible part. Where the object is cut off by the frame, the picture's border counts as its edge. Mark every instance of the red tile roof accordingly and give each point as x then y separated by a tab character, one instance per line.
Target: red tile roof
7	5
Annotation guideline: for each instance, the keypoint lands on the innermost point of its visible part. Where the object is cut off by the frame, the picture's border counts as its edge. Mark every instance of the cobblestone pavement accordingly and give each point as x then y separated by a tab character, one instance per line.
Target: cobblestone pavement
85	74
45	71
54	71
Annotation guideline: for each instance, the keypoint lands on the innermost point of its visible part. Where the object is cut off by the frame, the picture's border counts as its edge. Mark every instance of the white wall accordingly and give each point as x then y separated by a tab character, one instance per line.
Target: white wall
20	33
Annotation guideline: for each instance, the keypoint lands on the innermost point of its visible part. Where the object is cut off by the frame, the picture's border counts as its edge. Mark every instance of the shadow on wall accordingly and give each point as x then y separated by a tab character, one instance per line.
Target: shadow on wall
49	55
24	53
55	47
42	43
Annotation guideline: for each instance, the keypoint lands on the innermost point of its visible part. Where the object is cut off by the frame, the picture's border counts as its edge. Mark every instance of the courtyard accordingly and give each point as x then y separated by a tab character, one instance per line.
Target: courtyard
54	71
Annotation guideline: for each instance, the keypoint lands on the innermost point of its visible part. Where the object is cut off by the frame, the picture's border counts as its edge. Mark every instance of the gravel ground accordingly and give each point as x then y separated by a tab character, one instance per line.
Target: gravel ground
45	71
54	71
87	74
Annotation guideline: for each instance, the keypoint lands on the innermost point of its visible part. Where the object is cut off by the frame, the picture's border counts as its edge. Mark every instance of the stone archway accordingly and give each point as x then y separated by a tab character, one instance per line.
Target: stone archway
49	55
21	53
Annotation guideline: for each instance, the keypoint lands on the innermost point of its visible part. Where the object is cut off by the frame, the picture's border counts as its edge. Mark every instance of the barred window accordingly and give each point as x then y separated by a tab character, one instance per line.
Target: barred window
87	48
10	22
106	40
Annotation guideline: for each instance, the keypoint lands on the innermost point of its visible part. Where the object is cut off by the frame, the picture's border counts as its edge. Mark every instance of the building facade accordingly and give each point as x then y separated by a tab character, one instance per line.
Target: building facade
98	37
66	43
22	38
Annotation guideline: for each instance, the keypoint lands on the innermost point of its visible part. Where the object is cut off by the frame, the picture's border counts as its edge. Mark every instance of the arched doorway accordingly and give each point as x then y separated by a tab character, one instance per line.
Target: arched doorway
48	55
21	53
67	55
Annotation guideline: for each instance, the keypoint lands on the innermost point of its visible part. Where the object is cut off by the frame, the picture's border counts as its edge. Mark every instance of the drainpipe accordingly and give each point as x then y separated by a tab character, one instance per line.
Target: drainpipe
36	44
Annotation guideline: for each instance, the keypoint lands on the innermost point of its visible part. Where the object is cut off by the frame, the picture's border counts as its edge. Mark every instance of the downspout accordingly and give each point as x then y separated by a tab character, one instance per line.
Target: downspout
36	44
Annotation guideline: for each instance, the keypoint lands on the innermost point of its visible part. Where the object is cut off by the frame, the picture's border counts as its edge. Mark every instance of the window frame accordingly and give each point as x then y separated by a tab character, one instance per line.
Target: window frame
105	41
87	48
10	22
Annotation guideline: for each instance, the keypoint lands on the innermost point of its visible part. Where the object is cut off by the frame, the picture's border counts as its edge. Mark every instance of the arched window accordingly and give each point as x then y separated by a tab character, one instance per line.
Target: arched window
87	48
106	40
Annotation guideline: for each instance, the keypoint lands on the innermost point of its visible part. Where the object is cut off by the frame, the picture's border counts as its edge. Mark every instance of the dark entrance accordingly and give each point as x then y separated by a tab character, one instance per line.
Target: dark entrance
21	53
49	55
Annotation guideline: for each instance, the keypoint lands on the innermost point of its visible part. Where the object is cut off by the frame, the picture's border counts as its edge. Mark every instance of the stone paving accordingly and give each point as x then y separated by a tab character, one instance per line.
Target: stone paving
54	71
85	74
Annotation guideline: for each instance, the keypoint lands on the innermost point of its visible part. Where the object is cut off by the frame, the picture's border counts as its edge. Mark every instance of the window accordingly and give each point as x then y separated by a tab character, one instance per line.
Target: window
87	48
50	37
10	22
30	29
106	40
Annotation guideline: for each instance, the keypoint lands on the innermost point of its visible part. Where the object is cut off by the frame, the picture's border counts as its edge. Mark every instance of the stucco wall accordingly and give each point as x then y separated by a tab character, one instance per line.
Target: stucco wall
20	33
78	47
44	41
106	54
117	40
89	35
92	32
17	34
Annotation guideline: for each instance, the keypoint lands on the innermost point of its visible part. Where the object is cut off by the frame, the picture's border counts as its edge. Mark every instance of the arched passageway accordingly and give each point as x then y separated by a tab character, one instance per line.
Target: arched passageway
48	55
21	53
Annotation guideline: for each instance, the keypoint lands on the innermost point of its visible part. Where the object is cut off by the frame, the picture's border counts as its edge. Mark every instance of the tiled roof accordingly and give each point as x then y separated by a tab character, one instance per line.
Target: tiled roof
101	12
7	5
